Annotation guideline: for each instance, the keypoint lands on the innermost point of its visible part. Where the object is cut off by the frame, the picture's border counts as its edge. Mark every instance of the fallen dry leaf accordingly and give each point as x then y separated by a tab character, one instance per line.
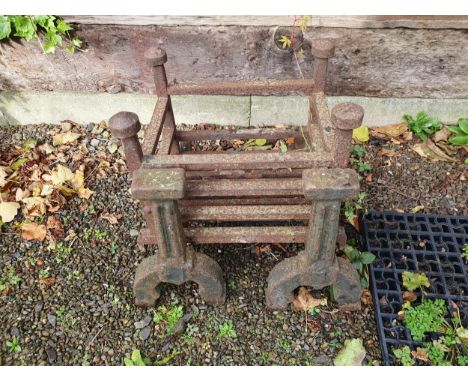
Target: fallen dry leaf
111	218
442	135
420	354
366	297
409	296
63	138
386	153
429	150
33	231
48	281
389	131
352	353
416	209
8	211
34	206
55	226
361	134
304	301
59	175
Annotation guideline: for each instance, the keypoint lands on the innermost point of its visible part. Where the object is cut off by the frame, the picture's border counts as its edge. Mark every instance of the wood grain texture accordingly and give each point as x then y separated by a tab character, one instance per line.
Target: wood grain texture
330	21
368	62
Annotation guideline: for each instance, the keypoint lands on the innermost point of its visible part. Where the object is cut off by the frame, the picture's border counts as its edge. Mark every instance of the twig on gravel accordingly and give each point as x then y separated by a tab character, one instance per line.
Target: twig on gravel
91	342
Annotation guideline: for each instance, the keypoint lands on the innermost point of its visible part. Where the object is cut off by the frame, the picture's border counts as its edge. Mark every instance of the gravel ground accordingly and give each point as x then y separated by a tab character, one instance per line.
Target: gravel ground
87	317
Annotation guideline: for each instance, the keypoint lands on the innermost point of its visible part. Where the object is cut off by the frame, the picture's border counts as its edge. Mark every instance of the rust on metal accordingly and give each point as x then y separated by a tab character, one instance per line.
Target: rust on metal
303	87
299	190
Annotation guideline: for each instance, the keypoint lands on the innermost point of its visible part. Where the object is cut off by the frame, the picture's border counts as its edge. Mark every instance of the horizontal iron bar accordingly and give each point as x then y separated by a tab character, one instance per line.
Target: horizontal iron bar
304	87
244	187
230	134
246	213
246	235
245	201
213	235
245	174
240	161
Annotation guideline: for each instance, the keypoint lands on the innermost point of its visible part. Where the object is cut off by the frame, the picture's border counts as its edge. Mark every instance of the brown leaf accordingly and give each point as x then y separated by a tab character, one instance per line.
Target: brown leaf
386	153
48	281
389	131
304	301
420	354
290	141
366	297
111	218
55	226
369	177
409	296
442	135
33	231
429	150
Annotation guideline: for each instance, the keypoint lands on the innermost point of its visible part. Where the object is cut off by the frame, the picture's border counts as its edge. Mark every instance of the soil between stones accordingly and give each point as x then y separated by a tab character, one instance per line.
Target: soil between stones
92	320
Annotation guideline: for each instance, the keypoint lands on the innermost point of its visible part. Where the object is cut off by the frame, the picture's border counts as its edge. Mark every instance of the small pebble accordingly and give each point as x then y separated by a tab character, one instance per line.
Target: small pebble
38	307
51	355
143	323
52	320
145	333
94	142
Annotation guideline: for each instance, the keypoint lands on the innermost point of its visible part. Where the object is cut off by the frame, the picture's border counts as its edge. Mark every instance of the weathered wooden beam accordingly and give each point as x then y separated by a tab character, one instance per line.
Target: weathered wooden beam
418	22
425	63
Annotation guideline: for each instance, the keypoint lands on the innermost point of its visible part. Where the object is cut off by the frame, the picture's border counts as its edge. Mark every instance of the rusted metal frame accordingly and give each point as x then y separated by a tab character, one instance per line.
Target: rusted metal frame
231	134
155	126
168	144
244	234
244	187
304	87
298	200
245	213
240	161
320	126
245	174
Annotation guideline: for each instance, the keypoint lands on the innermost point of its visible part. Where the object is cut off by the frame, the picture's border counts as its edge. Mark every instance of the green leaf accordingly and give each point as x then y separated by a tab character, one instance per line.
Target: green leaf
5	27
77	42
459	140
463	124
413	281
62	26
367	257
260	141
17	164
283	146
357	265
70	49
352	354
24	27
49	47
455	129
128	362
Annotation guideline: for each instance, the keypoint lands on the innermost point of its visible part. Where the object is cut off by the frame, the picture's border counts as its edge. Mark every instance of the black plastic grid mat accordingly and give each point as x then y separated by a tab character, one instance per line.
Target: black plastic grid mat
430	244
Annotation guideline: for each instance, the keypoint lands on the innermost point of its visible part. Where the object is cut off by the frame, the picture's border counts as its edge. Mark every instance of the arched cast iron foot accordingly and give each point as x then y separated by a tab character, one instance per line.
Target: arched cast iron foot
198	267
347	288
294	272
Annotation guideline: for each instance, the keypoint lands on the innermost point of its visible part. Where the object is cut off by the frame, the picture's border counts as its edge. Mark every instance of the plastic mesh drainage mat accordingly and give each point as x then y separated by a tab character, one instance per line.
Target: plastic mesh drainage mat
431	244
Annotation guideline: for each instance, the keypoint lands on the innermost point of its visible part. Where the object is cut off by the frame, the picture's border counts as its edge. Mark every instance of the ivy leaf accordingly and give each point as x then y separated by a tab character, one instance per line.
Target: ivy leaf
260	141
24	27
286	41
5	27
62	26
70	49
77	42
